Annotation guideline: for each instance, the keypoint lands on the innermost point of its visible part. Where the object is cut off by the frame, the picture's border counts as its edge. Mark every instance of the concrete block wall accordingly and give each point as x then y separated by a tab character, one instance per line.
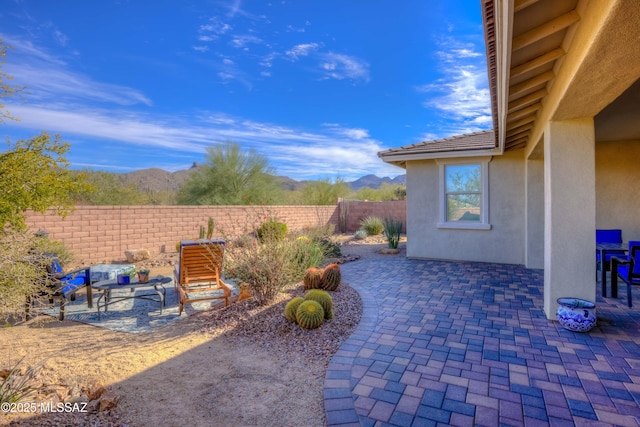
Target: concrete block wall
354	211
101	234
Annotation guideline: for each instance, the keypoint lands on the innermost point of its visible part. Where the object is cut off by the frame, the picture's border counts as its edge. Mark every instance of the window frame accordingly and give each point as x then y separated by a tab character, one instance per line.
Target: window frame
483	224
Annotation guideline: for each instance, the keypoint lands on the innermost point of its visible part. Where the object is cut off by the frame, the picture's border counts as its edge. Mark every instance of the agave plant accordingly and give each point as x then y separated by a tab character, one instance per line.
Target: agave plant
392	229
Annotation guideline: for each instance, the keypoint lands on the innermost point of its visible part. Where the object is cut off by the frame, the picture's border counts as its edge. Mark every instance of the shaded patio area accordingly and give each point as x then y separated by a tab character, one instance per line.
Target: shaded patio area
462	343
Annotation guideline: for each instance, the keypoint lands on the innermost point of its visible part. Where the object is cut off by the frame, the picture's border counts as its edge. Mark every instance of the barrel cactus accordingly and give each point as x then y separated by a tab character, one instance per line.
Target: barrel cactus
291	307
331	277
312	278
324	299
310	314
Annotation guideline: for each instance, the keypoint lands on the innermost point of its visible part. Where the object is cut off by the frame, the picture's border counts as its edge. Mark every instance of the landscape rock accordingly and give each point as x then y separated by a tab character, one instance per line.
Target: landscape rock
96	390
108	401
136	255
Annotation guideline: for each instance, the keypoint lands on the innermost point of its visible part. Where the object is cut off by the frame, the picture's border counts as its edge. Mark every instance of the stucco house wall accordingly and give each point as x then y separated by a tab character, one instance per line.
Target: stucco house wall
617	187
504	243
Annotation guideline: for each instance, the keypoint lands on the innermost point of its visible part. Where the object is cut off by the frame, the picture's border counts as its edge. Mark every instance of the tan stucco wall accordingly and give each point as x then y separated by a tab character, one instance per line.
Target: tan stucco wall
504	243
534	194
618	187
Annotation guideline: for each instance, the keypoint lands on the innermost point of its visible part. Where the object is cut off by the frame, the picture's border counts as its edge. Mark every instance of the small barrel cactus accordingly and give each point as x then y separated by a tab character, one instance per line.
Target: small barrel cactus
291	307
312	278
310	314
331	277
324	299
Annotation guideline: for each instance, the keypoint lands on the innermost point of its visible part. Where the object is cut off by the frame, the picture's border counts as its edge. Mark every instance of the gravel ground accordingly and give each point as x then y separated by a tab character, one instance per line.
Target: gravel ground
299	354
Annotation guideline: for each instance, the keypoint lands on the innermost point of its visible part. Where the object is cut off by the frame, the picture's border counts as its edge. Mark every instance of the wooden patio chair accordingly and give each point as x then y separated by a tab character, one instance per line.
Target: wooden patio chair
199	270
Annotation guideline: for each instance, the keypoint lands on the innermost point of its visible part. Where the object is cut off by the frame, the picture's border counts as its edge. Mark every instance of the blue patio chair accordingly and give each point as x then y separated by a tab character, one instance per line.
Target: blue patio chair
627	268
607	236
61	285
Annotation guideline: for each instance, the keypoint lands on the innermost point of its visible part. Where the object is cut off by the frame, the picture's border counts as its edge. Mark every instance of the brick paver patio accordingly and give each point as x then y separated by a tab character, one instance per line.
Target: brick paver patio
461	343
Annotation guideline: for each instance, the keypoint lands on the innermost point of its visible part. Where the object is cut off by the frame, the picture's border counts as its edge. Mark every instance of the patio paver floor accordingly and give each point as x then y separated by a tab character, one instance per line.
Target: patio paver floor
462	343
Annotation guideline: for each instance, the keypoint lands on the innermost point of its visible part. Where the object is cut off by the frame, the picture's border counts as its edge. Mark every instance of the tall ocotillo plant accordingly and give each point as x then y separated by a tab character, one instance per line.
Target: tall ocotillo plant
392	229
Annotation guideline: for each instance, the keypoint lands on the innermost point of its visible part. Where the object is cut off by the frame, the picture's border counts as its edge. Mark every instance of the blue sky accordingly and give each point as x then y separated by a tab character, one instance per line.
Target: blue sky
319	87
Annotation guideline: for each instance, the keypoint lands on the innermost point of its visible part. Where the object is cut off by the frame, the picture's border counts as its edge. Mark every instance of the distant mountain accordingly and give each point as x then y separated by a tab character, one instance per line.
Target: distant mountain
155	179
372	181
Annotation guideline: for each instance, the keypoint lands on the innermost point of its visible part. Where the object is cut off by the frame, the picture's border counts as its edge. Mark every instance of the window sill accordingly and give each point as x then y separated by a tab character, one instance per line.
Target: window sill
464	226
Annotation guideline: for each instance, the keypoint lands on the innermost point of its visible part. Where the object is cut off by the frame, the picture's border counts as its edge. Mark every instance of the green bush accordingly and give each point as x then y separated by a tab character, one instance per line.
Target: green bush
372	225
22	270
360	234
267	266
308	253
272	230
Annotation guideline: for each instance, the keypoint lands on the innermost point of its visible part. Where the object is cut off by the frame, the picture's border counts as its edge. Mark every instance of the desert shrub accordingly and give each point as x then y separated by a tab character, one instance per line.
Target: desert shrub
320	232
272	230
360	234
330	247
373	225
48	246
18	385
308	253
22	271
392	229
266	266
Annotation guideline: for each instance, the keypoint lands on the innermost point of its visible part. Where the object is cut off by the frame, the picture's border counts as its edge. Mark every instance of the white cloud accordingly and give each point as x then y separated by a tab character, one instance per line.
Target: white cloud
301	154
201	48
243	40
339	66
462	95
60	37
60	83
214	28
301	50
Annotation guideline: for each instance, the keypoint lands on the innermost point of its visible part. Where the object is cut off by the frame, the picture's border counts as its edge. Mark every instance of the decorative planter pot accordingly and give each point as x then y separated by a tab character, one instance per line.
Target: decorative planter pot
576	314
123	279
143	276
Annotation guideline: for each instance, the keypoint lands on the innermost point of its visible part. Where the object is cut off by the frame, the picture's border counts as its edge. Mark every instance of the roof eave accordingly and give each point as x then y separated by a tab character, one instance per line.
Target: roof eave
401	159
498	23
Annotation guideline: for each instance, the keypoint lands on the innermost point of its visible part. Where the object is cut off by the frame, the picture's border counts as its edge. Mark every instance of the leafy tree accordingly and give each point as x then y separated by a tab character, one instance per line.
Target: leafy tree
230	177
385	193
324	192
34	175
106	189
6	90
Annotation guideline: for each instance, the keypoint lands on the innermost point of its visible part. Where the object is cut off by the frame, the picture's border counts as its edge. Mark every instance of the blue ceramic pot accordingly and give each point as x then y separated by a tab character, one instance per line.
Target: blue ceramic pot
576	314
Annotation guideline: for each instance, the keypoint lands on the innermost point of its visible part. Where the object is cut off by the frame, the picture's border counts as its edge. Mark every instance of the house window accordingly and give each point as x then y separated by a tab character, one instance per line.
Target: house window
464	194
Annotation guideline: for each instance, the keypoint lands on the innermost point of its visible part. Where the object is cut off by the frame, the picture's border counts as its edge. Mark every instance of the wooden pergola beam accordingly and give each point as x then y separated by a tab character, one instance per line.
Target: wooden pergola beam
544	30
537	62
